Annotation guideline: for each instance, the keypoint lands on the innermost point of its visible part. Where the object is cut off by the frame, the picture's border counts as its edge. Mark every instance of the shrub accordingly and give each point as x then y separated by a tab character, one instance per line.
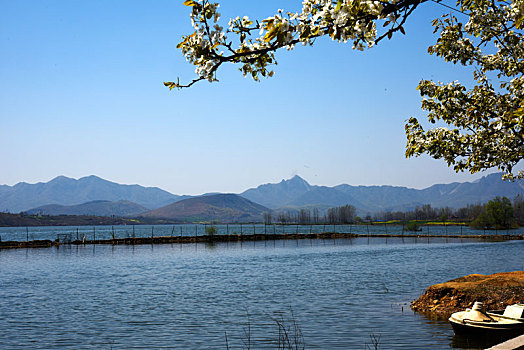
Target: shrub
412	226
211	230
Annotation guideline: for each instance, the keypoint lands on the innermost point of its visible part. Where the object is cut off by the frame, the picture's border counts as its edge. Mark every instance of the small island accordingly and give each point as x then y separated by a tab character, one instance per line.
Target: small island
495	291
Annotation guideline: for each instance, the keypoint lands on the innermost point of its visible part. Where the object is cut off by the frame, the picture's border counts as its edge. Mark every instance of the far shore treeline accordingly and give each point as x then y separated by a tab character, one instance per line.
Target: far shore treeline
498	213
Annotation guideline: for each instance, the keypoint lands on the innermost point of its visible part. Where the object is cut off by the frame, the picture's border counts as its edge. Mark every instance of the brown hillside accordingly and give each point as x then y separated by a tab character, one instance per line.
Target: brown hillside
219	207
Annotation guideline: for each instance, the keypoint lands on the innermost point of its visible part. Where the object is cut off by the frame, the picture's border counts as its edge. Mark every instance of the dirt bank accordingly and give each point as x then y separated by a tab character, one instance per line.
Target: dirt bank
495	291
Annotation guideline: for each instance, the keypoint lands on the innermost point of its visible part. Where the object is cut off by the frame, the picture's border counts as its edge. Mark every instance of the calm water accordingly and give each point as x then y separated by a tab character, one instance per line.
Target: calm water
188	296
125	231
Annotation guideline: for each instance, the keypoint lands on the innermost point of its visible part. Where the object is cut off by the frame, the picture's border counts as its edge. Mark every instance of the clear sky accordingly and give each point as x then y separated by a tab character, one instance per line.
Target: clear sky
81	93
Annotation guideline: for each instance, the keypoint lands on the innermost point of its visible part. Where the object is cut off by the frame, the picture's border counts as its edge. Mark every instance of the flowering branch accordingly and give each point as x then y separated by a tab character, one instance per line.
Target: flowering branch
485	124
348	20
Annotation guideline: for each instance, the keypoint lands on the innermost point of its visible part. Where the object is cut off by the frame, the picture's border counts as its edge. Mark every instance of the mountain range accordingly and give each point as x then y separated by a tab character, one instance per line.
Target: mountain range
66	191
92	195
296	193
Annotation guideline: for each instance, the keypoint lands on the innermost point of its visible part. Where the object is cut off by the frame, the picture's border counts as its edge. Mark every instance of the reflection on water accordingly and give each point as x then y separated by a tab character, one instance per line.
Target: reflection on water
186	296
476	342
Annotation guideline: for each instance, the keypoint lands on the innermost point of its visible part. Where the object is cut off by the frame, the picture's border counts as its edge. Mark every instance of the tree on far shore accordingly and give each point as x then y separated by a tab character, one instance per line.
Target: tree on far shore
497	214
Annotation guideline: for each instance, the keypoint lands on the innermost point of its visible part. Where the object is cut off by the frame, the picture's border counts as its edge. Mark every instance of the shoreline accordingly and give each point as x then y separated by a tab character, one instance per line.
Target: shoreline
496	291
240	237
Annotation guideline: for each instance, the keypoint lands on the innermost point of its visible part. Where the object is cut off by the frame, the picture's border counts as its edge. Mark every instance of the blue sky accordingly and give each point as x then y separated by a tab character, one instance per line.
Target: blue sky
81	93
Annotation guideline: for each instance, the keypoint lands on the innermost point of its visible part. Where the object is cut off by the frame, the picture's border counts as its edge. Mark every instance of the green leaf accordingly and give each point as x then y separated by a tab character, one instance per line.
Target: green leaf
339	5
271	33
171	85
519	22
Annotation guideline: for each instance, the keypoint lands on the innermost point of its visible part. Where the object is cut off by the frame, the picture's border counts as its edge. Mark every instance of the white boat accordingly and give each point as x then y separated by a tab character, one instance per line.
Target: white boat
508	322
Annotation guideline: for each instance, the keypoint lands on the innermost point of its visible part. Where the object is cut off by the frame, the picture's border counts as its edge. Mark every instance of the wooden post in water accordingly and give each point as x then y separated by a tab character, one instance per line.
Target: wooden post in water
386	226
133	231
94	234
196	230
77	233
367	226
254	230
274	229
227	229
173	231
296	231
27	234
180	231
241	230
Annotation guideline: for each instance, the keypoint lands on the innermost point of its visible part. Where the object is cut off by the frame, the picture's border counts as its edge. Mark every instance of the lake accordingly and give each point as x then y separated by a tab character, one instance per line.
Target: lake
189	296
126	231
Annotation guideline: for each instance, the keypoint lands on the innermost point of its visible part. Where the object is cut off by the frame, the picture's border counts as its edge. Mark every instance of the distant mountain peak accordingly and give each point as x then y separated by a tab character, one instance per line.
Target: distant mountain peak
278	194
297	181
61	178
93	177
297	178
294	177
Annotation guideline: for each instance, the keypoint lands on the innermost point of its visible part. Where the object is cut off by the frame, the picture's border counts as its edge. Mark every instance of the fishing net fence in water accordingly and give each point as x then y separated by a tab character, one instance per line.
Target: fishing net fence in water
64	237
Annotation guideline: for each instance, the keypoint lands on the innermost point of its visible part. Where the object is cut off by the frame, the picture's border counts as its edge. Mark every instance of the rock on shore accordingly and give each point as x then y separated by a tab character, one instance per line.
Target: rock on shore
495	291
